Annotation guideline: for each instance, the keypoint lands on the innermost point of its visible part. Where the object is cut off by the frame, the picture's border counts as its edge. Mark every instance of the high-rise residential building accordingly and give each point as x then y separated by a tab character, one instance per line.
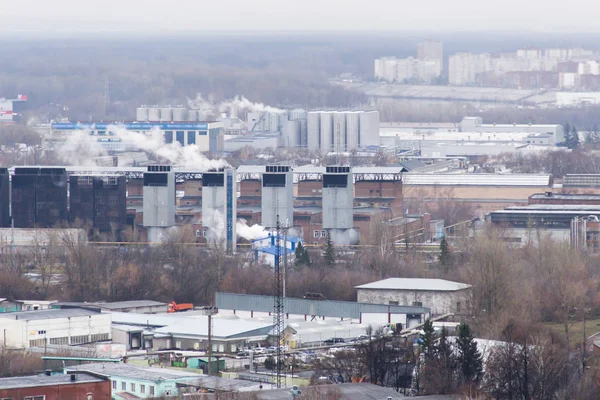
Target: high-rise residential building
430	50
463	68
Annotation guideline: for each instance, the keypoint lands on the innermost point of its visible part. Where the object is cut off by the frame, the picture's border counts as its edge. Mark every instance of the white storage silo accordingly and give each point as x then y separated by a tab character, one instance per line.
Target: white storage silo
192	115
166	114
313	130
154	114
352	129
339	131
141	114
274	122
180	114
297	113
326	143
369	129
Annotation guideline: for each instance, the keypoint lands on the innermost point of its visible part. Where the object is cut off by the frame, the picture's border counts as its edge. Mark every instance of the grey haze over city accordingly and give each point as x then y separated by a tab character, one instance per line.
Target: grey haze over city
299	200
151	16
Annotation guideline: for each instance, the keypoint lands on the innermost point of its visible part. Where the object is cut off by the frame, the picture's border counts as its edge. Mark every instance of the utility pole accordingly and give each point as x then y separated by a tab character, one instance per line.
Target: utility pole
209	312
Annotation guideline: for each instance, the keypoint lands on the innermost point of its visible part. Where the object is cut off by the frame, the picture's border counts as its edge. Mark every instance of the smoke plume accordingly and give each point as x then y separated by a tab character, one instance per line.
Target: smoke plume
80	149
250	232
233	107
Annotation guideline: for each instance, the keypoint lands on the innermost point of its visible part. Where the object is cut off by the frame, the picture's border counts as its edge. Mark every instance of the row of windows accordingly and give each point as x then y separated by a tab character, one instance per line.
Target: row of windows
201	232
180	136
100	337
80	339
60	340
322	234
133	388
43	397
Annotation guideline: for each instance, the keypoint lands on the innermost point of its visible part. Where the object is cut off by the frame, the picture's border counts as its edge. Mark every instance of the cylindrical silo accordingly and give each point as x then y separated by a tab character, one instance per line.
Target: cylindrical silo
352	129
166	114
274	122
180	114
192	115
154	114
313	130
297	113
326	131
141	114
369	129
339	131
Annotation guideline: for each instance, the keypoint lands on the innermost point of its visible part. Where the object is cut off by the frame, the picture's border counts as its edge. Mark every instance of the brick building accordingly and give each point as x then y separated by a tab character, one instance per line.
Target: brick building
76	386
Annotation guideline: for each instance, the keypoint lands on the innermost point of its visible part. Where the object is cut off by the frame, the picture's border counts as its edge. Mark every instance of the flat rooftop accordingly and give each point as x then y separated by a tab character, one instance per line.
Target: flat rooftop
49	314
122	370
19	382
437	285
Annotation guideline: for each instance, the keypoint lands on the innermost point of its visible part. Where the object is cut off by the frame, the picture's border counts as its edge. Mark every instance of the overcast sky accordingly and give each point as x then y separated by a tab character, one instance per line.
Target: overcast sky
299	15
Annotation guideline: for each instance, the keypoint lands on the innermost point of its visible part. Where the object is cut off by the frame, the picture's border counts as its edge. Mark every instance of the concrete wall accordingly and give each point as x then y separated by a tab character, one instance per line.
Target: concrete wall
439	302
99	390
23	333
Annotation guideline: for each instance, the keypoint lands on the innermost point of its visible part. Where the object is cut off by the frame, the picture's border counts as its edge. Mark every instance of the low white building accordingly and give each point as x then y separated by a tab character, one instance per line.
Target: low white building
54	327
441	296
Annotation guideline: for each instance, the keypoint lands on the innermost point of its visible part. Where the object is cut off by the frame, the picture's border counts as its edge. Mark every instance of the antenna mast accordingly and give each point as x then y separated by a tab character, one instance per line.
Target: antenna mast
278	312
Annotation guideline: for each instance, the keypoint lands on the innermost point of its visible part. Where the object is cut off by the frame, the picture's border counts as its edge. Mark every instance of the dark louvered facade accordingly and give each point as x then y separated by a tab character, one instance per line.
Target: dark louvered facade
99	201
39	197
4	198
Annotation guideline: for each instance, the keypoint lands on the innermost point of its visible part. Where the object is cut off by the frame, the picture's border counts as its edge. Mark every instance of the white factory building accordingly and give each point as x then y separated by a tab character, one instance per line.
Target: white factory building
441	296
340	131
54	327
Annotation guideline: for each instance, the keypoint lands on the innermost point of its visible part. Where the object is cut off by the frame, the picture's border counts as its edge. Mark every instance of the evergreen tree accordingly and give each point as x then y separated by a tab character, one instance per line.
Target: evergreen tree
301	255
469	358
427	341
572	140
445	256
445	365
329	253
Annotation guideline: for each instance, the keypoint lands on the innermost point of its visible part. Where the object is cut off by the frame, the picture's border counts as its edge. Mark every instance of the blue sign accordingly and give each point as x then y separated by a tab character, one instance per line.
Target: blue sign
131	126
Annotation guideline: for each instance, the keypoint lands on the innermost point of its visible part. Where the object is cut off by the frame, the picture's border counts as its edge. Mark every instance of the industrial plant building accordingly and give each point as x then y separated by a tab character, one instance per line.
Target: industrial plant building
206	136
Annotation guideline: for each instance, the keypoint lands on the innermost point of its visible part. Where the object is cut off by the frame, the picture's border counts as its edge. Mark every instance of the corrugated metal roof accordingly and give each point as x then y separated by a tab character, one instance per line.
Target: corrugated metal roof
581	180
121	370
477	179
49	314
325	308
437	285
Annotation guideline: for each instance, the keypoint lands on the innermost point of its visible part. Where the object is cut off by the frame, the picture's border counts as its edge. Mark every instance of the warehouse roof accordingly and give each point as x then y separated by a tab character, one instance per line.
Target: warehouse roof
192	324
437	285
19	382
123	370
49	314
477	179
223	384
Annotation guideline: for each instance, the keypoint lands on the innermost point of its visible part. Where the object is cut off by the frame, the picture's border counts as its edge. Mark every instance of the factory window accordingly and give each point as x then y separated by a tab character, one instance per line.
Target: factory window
202	133
458	306
151	388
323	233
180	136
168	136
37	343
79	339
60	340
221	348
142	389
178	344
233	348
132	387
101	133
198	233
215	347
114	385
100	337
191	137
123	386
34	398
393	303
316	234
417	304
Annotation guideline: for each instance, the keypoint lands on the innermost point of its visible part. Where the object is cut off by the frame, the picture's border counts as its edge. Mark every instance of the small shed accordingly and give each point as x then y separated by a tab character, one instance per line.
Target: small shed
202	363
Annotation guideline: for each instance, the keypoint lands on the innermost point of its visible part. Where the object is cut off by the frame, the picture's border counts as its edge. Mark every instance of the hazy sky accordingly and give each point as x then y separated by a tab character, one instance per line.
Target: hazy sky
305	15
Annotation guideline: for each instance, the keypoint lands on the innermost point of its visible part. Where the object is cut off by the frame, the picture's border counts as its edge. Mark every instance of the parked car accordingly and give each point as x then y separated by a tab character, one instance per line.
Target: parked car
334	340
259	350
272	350
242	354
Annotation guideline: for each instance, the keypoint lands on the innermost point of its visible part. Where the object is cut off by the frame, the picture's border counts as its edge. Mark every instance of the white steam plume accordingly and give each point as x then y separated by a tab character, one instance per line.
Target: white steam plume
250	232
232	106
80	149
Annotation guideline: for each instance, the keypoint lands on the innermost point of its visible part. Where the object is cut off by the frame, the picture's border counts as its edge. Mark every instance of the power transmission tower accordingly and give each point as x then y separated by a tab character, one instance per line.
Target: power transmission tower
278	312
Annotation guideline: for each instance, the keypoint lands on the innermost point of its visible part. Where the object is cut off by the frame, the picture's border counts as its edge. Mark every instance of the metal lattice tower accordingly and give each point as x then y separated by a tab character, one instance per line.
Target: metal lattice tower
278	313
